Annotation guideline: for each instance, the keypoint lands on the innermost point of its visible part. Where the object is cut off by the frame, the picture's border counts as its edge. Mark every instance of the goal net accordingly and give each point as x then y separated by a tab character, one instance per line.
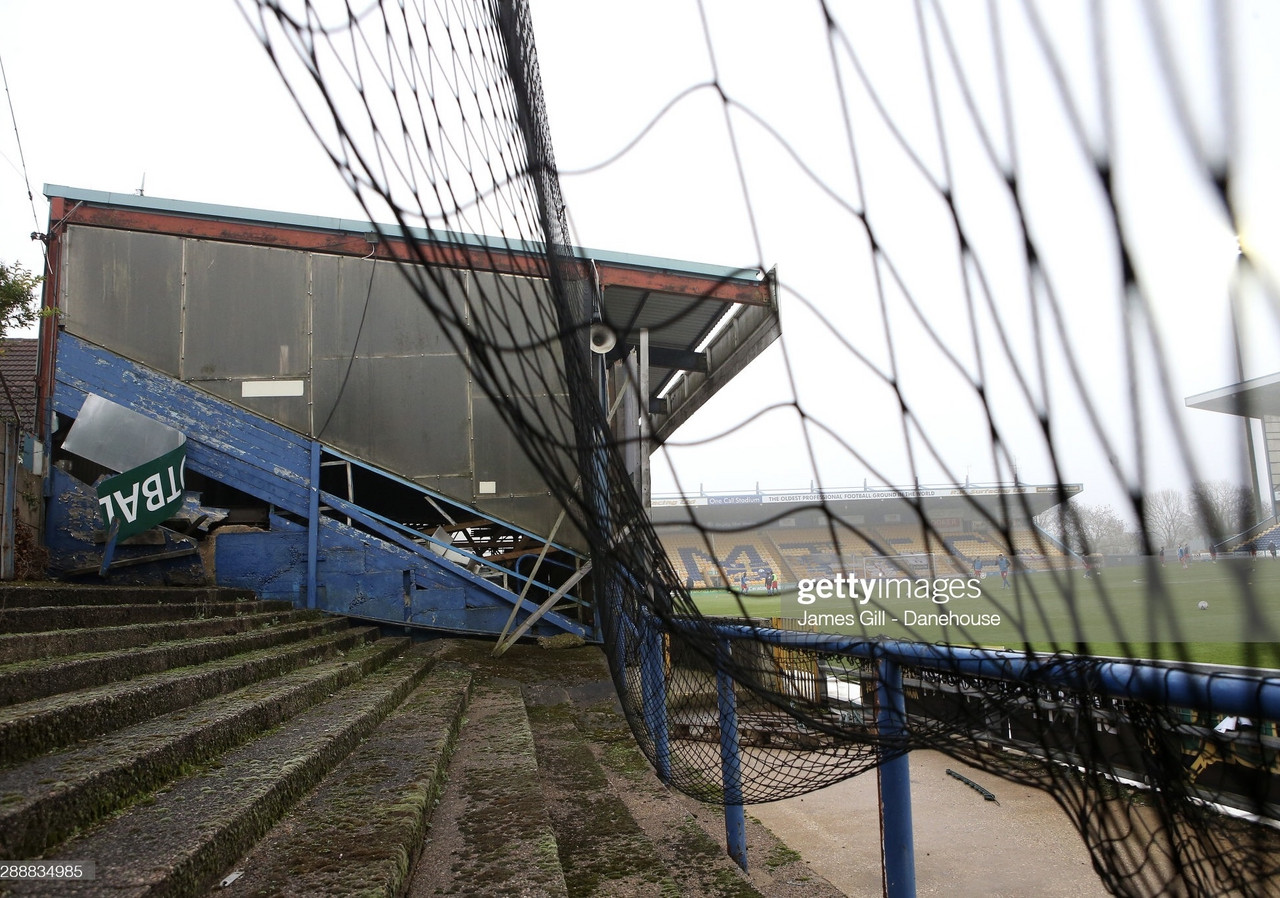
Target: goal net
1008	237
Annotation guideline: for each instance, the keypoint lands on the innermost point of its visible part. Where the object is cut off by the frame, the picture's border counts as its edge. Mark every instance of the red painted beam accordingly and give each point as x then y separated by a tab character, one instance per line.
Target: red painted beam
286	237
695	286
754	293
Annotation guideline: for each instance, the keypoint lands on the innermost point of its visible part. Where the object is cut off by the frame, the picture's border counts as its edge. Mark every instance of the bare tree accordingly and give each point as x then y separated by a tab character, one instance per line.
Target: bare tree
1168	522
1222	508
1104	530
1085	528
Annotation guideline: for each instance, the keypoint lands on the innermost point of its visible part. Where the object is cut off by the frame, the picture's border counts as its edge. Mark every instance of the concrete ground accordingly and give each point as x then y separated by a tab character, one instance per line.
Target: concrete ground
1022	847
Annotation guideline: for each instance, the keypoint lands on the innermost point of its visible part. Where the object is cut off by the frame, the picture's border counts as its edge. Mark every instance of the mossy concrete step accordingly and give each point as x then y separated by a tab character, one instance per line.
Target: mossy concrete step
33	728
620	832
603	851
32	595
689	836
491	835
47	799
180	843
71	617
51	643
26	681
362	828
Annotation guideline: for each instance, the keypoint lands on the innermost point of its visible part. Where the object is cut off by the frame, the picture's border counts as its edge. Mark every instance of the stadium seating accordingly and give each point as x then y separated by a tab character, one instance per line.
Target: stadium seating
797	553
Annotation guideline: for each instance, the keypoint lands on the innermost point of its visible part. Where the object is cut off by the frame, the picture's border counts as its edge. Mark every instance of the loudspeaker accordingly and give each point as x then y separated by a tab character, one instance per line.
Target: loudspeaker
602	338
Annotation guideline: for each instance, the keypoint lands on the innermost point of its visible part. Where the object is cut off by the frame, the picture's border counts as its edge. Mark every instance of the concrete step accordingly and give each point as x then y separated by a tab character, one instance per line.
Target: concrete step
46	800
33	595
491	835
360	830
41	618
33	728
618	831
336	764
201	824
602	848
690	836
25	681
51	643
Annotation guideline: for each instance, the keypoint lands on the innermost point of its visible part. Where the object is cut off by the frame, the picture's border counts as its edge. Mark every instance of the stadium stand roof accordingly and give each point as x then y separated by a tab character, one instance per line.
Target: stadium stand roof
1250	399
999	501
705	322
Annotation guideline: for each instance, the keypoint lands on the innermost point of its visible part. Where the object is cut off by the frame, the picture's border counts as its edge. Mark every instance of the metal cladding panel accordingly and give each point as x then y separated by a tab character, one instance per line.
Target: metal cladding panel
124	290
510	311
369	308
530	510
408	414
370	368
293	412
247	312
500	460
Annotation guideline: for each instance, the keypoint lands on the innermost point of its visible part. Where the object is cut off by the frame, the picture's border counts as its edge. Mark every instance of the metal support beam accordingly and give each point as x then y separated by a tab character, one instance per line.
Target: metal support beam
313	527
646	425
896	842
665	356
735	818
542	609
747	335
653	694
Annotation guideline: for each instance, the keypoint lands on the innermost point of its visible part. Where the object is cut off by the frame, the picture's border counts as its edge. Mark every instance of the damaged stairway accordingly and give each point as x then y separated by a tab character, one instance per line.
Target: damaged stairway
293	518
193	741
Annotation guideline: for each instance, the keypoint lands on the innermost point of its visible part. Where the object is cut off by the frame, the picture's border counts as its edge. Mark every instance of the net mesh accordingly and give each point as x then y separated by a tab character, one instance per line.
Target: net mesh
433	114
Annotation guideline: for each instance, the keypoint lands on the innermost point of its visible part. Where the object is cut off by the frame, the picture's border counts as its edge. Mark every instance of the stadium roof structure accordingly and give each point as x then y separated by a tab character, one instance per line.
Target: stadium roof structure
998	501
1258	398
1247	399
704	322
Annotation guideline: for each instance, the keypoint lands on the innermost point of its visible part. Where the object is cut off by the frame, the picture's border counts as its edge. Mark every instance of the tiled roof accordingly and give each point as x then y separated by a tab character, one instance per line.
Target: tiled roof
18	363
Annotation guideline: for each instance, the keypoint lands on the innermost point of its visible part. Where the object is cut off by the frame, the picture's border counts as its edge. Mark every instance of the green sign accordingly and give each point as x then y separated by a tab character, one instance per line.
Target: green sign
145	496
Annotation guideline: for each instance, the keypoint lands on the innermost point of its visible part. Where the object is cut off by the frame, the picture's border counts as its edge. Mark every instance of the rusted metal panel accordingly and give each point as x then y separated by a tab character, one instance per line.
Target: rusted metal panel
124	290
247	312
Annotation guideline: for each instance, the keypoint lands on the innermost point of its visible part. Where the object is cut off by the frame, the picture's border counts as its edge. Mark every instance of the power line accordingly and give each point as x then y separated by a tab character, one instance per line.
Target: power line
22	159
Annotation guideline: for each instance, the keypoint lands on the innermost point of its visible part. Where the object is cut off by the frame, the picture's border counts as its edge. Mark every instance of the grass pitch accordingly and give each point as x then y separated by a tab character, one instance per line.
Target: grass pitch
1136	611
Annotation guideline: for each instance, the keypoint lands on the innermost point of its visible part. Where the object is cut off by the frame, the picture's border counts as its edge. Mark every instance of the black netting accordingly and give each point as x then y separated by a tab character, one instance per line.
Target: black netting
433	115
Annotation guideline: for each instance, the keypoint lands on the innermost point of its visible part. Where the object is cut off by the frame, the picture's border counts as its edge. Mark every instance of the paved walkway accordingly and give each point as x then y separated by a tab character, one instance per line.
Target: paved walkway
1023	847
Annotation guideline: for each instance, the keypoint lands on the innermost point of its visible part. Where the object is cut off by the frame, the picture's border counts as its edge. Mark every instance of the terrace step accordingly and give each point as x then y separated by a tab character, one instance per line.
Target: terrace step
491	835
51	643
616	829
360	830
49	798
32	728
181	842
36	619
33	595
315	766
25	681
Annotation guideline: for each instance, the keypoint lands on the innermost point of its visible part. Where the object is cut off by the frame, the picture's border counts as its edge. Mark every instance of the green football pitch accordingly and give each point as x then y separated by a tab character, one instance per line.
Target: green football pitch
1137	611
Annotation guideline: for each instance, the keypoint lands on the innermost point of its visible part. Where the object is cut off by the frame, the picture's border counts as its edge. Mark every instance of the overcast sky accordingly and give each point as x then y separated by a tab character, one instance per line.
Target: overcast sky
180	99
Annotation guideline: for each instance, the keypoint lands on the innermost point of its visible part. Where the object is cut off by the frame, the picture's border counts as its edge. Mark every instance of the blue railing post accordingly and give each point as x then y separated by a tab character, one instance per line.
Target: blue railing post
897	846
735	819
653	690
313	526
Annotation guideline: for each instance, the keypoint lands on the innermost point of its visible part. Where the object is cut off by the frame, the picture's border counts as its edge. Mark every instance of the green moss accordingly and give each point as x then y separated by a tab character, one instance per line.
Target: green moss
780	856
